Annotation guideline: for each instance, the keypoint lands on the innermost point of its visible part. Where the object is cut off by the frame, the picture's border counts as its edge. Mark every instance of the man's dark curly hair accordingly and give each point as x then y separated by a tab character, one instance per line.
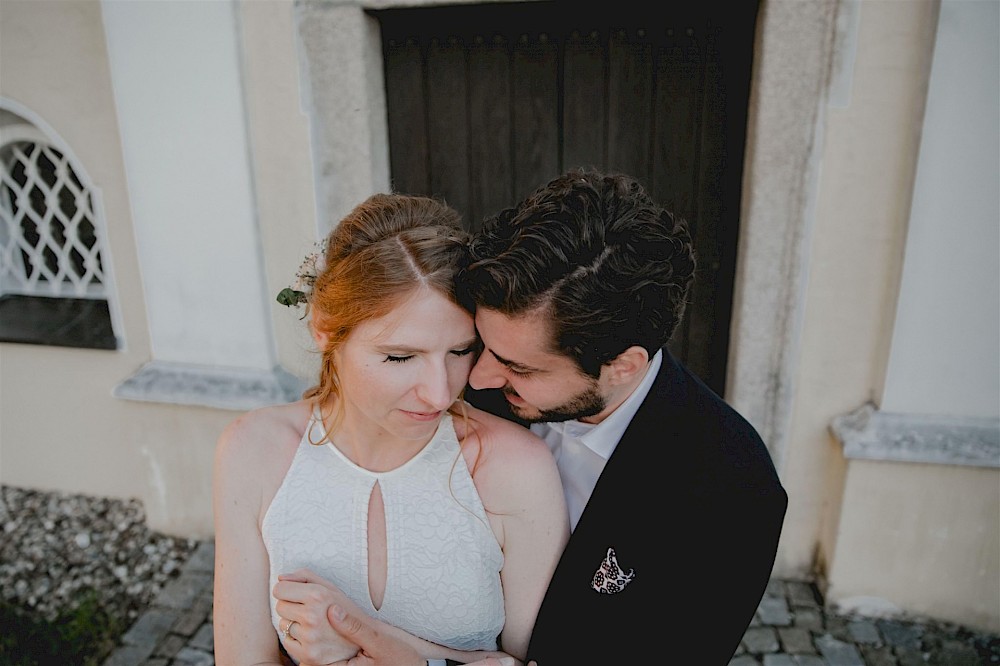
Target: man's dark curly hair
609	267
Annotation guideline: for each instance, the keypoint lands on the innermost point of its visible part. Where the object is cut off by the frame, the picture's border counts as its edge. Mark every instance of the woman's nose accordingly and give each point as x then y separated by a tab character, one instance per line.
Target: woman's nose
434	388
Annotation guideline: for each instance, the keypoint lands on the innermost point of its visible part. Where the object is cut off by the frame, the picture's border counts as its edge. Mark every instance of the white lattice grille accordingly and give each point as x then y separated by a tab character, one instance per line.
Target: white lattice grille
48	242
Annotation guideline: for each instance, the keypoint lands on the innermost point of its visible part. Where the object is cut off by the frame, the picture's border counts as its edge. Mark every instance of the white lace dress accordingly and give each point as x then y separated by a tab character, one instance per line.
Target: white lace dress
443	574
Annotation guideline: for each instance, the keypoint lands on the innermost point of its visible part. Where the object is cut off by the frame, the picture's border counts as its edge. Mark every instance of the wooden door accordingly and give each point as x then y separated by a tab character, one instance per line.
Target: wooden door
486	102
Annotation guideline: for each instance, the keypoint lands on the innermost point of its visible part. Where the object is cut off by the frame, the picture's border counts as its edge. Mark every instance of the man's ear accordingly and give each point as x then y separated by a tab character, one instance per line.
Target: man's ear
628	365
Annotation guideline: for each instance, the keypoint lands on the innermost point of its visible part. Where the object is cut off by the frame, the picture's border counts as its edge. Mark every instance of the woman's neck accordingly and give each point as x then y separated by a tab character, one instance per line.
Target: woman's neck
368	445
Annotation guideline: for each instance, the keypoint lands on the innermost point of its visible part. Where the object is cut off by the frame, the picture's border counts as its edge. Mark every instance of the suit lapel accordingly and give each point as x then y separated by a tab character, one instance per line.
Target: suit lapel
615	511
635	452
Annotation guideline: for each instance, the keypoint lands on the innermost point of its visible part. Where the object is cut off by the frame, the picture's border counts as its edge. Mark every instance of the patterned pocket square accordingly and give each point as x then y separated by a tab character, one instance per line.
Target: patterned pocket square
610	579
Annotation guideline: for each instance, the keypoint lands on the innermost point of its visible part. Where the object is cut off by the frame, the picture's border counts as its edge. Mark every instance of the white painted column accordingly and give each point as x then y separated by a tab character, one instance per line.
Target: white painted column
940	399
176	73
945	357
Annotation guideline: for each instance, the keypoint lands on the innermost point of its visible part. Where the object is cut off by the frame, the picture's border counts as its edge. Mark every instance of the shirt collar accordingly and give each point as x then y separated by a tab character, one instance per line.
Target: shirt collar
603	437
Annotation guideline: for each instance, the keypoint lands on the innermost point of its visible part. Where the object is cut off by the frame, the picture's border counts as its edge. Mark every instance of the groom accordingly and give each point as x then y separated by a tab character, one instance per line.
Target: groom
674	502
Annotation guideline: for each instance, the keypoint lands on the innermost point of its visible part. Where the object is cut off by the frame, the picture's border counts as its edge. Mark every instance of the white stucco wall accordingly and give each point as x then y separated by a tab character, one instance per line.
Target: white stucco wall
60	426
280	142
918	531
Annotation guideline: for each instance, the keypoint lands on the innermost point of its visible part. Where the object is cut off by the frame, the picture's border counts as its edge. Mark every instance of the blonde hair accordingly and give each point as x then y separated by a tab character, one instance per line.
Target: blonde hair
386	248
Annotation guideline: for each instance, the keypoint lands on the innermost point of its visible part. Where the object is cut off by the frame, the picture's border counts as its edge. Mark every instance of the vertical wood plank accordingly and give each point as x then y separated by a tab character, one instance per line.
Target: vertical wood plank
677	124
702	329
491	168
585	97
729	46
447	122
630	104
535	113
407	115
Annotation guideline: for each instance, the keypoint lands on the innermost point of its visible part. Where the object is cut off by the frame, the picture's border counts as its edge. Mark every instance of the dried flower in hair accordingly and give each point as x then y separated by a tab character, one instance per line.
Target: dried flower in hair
305	278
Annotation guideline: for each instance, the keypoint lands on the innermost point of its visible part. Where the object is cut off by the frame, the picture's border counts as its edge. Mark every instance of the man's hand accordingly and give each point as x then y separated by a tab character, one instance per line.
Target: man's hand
376	646
380	649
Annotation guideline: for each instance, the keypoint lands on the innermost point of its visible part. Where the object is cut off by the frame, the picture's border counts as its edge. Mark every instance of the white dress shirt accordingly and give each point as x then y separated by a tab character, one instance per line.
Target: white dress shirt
582	449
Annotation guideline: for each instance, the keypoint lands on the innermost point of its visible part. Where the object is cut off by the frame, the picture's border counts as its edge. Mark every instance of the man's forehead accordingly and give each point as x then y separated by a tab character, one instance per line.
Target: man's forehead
514	336
529	325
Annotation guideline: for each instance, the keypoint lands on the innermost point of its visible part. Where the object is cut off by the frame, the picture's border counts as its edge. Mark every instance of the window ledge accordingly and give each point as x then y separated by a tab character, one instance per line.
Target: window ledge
205	386
870	434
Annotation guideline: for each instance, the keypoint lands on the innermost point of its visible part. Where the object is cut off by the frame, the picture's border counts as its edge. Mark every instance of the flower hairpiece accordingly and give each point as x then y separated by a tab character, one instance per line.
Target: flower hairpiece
305	278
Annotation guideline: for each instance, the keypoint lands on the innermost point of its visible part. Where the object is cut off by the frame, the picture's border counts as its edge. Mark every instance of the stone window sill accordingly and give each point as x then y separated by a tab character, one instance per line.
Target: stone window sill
206	386
870	434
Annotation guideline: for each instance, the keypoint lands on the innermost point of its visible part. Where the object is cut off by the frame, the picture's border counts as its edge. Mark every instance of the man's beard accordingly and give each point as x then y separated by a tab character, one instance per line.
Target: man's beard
586	403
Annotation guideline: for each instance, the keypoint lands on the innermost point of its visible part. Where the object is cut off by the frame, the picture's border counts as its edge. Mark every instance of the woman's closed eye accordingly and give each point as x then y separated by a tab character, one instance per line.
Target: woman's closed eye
403	358
398	359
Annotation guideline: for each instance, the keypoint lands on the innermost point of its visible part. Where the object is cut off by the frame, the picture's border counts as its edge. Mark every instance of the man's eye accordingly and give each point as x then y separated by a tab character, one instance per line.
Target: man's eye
397	359
518	373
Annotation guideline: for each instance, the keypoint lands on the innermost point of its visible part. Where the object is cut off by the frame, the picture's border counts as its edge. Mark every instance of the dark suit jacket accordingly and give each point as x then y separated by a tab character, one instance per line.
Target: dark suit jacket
691	503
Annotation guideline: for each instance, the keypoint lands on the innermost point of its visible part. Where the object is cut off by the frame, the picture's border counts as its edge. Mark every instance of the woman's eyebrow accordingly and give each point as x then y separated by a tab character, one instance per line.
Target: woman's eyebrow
471	342
408	349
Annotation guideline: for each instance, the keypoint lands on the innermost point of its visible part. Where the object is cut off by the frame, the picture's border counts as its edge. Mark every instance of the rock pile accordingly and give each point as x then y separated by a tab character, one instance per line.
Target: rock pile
57	548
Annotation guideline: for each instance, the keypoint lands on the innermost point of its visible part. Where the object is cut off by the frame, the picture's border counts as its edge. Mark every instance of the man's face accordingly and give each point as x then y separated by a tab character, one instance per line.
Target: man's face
539	384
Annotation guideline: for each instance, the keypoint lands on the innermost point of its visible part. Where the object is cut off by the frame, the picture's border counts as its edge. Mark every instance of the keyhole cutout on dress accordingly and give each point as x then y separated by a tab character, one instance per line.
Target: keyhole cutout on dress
377	551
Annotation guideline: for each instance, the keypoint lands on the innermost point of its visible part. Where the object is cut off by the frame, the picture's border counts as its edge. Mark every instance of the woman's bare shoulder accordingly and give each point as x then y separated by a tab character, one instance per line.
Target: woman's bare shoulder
502	443
511	466
265	431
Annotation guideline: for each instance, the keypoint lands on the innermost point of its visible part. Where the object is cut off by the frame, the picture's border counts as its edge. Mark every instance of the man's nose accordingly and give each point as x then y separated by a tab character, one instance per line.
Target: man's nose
487	373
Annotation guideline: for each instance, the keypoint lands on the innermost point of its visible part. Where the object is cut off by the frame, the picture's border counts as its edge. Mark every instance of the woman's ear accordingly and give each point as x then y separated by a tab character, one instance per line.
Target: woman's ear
321	337
625	367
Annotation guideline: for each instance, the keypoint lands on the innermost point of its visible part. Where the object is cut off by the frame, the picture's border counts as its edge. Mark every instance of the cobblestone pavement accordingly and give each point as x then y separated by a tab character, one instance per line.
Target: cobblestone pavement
791	628
176	630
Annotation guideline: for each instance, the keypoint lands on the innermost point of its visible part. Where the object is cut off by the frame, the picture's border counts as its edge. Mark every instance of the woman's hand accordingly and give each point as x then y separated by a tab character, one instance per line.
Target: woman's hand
303	599
331	630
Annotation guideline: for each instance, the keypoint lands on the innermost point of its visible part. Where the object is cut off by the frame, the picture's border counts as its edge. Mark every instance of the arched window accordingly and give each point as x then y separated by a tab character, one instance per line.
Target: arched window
54	277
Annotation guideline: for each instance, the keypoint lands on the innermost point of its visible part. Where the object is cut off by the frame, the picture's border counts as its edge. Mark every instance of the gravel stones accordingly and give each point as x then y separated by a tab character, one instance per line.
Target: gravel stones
56	547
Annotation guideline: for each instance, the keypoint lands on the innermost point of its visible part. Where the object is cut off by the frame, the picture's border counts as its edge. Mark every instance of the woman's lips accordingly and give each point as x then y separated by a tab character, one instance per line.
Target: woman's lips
422	416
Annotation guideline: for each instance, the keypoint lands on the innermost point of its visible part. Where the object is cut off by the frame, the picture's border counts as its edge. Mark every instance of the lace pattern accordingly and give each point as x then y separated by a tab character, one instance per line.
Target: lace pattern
443	577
